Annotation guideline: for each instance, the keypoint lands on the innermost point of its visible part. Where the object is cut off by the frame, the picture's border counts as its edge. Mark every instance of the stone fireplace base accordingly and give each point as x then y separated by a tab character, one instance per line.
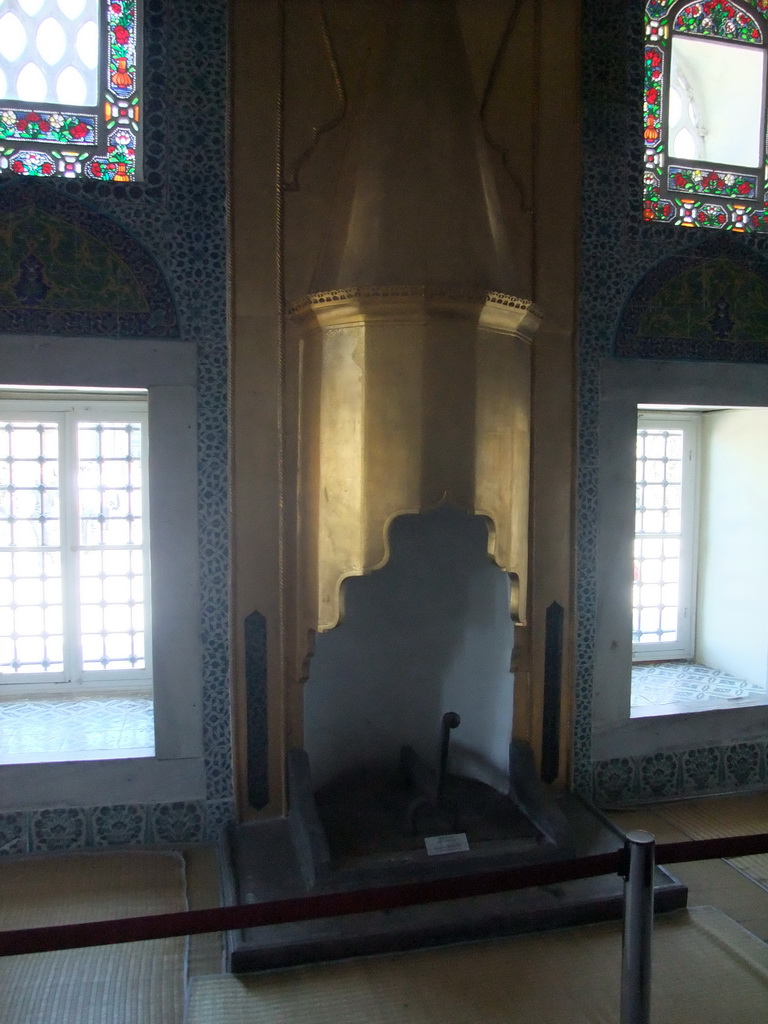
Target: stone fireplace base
291	857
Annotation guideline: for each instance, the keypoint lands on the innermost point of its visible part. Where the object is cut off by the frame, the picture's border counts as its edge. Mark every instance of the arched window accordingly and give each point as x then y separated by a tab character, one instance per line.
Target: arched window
704	113
70	89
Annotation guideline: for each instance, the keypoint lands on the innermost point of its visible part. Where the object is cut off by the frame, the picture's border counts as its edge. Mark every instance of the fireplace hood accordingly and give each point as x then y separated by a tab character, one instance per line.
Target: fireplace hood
414	351
410	361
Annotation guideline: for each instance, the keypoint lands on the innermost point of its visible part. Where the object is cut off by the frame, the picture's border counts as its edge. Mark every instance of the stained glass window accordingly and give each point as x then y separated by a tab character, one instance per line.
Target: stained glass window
704	114
70	89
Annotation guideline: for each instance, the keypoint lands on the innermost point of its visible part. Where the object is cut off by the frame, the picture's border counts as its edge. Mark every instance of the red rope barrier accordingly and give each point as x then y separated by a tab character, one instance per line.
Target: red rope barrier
195	922
711	849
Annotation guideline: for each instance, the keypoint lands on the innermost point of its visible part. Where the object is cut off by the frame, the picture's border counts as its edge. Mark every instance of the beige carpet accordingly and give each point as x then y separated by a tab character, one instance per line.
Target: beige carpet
707	970
132	983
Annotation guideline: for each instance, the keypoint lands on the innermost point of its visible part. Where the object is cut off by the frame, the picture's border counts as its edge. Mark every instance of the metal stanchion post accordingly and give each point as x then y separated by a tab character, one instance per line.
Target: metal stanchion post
638	926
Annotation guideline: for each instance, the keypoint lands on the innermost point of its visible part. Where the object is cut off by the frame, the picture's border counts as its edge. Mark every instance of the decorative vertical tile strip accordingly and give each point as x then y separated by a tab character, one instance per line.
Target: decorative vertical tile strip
218	767
583	781
701	770
14	833
615	782
118	825
659	776
604	280
218	814
256	711
742	764
181	822
194	239
58	828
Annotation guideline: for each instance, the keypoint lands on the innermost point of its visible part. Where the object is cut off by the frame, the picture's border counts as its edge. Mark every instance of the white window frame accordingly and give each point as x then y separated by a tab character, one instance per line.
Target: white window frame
684	646
30	405
167	370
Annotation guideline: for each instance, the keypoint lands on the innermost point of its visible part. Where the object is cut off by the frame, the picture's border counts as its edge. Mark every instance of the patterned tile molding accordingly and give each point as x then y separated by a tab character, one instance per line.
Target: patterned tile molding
623	781
624	262
69	828
169	233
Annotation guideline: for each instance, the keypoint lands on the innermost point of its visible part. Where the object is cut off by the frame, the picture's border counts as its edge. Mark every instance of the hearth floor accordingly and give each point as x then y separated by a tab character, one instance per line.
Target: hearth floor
262	866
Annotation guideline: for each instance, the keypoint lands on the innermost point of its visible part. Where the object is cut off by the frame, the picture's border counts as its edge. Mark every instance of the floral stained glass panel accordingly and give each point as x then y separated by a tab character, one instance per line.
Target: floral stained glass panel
70	89
704	122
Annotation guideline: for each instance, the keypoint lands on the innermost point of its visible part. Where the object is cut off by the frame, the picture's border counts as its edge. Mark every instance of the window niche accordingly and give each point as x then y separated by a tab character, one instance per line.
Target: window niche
167	371
704	114
625	385
700	560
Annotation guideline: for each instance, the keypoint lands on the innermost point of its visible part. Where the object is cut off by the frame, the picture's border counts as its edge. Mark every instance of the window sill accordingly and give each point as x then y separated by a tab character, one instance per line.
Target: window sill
666	710
129	780
689	728
66	756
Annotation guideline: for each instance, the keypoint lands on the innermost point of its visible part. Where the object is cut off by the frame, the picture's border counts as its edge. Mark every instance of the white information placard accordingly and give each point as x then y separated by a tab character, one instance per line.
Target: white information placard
455	843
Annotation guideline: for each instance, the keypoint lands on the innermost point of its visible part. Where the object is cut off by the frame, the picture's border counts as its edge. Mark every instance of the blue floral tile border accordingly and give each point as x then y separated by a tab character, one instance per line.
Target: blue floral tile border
668	775
58	828
55	829
14	833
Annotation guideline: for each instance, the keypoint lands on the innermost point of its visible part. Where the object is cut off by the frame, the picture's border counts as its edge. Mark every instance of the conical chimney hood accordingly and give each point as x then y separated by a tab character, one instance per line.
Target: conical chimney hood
415	357
416	203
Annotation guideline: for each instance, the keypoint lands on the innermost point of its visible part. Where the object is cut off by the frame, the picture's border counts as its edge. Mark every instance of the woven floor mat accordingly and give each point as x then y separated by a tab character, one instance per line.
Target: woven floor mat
707	970
711	817
131	983
646	818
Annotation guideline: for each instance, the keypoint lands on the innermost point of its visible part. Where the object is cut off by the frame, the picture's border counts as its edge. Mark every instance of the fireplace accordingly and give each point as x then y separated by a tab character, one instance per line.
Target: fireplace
409	377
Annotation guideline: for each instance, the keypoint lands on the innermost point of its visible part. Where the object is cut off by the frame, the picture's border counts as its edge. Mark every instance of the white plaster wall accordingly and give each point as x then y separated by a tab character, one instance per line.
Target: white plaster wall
429	632
732	609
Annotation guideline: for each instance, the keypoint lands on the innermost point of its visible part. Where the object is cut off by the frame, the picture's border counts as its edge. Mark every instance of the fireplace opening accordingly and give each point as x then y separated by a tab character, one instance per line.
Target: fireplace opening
428	633
408	706
409	772
380	814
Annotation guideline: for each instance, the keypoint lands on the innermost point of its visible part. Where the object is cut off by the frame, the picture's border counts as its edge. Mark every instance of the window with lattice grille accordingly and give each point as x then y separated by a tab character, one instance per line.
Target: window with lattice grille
74	554
663	587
